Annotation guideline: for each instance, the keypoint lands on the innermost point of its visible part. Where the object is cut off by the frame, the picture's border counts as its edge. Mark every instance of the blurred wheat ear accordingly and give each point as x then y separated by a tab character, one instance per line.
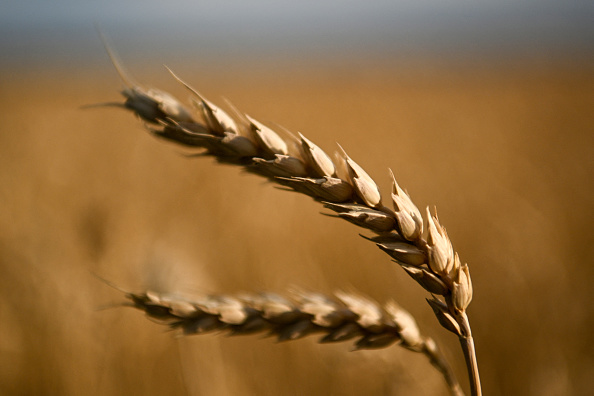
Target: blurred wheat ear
343	187
346	317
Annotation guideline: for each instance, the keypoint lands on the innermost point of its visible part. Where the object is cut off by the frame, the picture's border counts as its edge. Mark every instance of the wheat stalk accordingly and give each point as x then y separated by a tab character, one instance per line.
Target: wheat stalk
342	186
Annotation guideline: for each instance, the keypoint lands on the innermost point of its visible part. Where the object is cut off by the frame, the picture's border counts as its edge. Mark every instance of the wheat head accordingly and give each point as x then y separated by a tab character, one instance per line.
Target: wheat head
421	246
347	316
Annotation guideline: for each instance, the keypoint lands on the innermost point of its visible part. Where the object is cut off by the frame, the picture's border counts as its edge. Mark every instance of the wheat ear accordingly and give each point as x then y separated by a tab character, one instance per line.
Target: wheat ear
355	197
347	317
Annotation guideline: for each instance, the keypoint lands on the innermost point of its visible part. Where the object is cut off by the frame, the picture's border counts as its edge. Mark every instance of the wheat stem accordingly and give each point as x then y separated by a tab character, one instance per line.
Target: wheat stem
467	344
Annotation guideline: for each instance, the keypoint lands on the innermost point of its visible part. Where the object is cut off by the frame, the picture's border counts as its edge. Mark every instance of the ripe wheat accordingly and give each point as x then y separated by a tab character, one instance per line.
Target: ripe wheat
346	317
340	185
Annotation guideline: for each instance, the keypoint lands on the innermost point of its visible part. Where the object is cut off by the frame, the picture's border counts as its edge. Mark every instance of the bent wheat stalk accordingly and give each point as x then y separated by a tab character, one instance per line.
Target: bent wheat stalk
342	186
347	317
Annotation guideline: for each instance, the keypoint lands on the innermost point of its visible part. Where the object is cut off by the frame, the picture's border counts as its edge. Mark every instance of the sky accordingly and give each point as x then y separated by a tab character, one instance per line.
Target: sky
35	31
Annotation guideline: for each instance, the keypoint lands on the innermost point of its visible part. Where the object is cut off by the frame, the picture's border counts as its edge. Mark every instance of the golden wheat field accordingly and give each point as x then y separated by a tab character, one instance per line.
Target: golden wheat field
505	152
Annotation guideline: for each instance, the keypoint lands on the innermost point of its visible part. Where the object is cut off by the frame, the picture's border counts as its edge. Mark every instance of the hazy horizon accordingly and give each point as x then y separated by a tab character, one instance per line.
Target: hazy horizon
33	32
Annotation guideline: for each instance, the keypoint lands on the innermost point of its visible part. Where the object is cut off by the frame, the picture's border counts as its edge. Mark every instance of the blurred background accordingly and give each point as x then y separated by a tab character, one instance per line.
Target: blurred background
483	109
